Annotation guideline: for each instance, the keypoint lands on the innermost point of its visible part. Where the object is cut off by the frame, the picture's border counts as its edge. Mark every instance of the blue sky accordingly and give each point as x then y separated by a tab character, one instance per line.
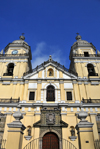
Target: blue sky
50	26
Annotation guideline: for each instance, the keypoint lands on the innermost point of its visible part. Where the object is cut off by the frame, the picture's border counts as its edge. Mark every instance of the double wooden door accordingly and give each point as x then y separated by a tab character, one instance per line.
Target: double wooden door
50	141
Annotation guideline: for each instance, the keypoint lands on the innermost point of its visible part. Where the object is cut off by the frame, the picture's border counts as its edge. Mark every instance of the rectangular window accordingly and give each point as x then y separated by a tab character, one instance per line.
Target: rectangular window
69	95
86	54
32	95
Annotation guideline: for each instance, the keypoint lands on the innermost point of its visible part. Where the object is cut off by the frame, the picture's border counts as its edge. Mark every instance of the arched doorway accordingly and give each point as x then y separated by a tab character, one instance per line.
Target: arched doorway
50	141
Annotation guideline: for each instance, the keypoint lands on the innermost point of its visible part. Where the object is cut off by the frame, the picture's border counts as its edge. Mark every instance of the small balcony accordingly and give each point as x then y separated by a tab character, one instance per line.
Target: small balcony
3	144
8	74
85	55
92	74
9	100
90	100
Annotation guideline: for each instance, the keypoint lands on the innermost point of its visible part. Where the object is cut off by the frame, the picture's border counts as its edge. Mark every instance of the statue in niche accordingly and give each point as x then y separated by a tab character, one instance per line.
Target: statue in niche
50	73
29	131
72	132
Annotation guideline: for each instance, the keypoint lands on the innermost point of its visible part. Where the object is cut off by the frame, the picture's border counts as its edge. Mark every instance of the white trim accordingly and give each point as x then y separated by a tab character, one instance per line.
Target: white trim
69	90
18	48
10	63
29	109
82	61
32	90
50	64
90	63
50	84
86	50
71	109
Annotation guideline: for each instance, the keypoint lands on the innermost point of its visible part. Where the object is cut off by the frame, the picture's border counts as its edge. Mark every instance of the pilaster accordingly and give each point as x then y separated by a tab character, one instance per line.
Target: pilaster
95	131
85	132
15	132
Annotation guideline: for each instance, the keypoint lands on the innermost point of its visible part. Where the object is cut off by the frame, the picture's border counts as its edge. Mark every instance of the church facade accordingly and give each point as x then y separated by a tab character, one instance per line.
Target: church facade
50	106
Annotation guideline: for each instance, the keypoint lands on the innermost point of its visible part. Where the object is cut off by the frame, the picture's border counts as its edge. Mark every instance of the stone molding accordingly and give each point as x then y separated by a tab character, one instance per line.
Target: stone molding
16	124
61	82
85	131
63	113
39	82
27	137
16	131
37	113
92	113
72	138
13	61
94	83
6	83
66	105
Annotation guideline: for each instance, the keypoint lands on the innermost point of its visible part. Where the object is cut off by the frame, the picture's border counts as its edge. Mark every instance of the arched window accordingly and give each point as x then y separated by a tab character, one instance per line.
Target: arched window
10	69
50	93
91	71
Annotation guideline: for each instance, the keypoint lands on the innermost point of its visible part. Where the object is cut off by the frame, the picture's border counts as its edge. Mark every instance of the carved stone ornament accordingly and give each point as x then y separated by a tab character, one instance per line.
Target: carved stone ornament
50	118
82	115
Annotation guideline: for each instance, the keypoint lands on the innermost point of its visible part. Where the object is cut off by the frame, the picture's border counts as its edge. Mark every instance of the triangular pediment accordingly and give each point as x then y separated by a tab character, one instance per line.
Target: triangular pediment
38	124
59	71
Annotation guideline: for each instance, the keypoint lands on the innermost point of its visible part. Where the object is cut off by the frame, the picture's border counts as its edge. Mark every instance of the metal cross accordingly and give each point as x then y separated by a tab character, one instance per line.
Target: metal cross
77	33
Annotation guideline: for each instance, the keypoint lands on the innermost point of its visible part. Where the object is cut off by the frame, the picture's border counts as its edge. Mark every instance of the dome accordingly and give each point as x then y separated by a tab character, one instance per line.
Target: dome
80	41
21	40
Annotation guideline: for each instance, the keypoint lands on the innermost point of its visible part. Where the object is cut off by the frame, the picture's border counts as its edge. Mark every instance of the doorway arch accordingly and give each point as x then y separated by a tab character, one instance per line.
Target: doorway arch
50	141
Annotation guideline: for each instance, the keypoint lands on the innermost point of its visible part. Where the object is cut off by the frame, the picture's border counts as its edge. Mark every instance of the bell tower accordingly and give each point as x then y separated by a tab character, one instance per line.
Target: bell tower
84	59
16	60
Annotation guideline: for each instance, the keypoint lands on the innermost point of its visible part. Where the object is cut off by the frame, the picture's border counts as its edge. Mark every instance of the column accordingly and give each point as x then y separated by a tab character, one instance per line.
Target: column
62	90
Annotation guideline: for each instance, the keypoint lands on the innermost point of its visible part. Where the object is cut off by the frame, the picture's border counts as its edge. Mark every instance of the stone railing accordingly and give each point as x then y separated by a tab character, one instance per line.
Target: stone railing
13	55
3	144
90	100
9	100
82	55
97	144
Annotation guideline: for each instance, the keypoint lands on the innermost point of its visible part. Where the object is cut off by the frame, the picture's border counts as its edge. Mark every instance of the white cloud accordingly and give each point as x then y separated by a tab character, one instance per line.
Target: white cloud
42	52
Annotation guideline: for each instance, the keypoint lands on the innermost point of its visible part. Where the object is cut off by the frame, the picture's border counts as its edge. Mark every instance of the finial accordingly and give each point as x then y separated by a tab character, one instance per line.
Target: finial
77	33
78	37
50	58
22	37
18	115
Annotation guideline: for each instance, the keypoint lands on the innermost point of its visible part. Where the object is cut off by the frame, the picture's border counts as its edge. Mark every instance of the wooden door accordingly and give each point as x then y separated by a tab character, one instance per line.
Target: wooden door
50	141
50	93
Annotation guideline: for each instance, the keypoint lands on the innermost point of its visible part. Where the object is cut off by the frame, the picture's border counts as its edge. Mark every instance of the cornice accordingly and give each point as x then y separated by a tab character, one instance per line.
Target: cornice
4	58
80	61
82	105
86	58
